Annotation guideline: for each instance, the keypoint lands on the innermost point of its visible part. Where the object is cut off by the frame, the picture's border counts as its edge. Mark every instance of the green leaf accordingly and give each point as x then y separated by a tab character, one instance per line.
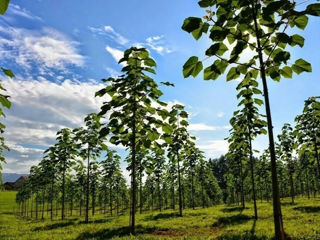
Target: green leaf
192	67
4	6
4	101
191	23
202	29
301	22
301	66
150	62
206	3
297	40
233	74
217	49
286	72
7	72
313	9
153	136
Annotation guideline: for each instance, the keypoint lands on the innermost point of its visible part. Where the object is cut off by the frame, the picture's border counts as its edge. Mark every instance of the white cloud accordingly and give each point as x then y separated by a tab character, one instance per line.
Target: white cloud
156	43
201	127
111	33
39	110
115	53
214	148
46	48
17	10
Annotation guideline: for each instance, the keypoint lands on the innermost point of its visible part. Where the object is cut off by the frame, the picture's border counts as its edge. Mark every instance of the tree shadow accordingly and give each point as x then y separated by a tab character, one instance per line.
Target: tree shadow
110	233
103	220
161	216
242	236
232	220
54	226
288	204
308	209
233	209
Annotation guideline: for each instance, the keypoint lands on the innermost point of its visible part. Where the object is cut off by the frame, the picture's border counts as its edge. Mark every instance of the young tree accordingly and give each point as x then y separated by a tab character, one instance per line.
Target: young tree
90	147
177	138
260	26
66	149
287	145
132	120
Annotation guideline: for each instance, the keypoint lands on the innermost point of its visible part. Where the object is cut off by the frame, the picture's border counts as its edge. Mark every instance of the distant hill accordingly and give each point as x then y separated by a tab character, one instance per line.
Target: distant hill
11	177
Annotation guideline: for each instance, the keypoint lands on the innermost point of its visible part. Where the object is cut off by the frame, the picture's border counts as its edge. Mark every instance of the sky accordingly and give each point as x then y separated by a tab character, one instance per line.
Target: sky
59	50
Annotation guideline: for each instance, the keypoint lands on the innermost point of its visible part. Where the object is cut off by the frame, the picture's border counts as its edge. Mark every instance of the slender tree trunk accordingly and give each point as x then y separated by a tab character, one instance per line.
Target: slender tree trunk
31	212
93	197
63	190
43	194
192	189
179	187
291	184
159	194
202	195
241	186
88	188
140	177
133	167
36	202
307	182
318	164
110	198
52	194
173	197
252	178
278	224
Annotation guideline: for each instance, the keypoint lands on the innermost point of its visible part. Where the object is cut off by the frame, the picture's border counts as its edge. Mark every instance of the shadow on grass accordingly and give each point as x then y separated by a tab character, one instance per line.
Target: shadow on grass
232	220
243	236
308	209
233	209
288	204
161	216
110	233
103	220
54	226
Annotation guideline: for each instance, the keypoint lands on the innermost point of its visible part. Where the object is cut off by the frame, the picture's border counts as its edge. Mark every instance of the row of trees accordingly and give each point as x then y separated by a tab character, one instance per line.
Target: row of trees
165	165
258	30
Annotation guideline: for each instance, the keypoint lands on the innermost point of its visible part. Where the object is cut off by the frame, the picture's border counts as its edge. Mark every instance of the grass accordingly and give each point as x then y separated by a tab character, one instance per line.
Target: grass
301	221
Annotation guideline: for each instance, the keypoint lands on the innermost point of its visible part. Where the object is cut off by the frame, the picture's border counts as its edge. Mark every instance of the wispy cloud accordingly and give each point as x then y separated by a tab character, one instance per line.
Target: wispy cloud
44	49
111	33
18	11
115	53
157	44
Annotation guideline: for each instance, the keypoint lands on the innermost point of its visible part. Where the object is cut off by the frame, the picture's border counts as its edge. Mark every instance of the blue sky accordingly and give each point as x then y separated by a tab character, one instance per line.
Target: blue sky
59	51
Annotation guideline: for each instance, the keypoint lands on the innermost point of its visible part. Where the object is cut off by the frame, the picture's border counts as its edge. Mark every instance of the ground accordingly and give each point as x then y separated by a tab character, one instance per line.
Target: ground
301	221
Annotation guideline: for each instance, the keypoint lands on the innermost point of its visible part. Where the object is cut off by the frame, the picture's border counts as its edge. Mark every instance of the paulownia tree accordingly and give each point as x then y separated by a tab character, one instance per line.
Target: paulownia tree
66	149
287	141
308	130
131	104
90	145
258	29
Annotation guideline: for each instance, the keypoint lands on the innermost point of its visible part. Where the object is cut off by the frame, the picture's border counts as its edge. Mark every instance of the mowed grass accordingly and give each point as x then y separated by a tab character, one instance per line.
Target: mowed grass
301	221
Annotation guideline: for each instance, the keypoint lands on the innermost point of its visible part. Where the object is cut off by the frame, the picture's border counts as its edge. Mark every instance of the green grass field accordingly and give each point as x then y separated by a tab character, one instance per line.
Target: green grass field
301	221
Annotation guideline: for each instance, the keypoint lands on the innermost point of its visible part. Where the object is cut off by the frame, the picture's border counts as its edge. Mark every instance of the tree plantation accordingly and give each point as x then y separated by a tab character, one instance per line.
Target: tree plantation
135	167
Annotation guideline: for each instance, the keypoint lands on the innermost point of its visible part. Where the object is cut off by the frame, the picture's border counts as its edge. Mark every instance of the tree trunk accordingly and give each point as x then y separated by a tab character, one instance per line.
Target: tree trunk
252	178
278	224
63	189
179	187
43	194
88	188
192	189
110	198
